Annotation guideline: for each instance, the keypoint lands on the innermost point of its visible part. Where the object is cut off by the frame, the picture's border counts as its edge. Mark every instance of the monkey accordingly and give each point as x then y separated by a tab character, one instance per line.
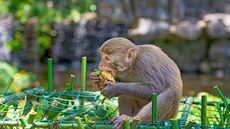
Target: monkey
139	71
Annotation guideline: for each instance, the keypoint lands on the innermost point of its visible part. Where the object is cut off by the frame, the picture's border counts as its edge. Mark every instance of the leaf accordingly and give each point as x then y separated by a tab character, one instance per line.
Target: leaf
11	112
32	110
21	106
4	108
27	107
40	111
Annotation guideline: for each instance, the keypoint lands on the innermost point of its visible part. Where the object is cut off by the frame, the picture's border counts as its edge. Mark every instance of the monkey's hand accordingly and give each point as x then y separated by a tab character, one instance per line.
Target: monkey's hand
111	90
118	121
94	79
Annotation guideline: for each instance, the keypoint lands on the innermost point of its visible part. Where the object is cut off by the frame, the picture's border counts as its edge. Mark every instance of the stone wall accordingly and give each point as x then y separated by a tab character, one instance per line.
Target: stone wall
6	34
195	33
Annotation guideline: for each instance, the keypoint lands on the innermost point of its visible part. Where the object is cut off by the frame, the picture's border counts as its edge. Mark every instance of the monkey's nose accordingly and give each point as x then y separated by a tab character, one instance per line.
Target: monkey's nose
109	71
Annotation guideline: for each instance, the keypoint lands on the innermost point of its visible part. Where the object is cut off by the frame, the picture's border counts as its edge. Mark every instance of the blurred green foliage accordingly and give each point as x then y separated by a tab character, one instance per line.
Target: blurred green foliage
48	12
22	78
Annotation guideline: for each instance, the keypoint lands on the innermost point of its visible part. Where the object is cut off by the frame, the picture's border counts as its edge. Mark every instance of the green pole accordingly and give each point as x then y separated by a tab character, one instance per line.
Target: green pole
154	107
31	117
226	104
23	121
71	81
175	124
79	123
83	78
204	110
135	123
90	124
83	73
126	124
86	118
50	75
219	92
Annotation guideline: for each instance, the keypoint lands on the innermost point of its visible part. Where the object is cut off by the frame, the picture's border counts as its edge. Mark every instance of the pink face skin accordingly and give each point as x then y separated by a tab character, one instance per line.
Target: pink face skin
105	64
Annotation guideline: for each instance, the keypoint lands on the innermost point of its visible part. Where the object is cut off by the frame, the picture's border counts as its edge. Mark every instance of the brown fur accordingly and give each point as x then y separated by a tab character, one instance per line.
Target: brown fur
148	70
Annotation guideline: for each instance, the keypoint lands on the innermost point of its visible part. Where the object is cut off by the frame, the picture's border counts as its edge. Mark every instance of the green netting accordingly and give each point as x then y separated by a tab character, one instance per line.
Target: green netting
37	108
45	107
217	114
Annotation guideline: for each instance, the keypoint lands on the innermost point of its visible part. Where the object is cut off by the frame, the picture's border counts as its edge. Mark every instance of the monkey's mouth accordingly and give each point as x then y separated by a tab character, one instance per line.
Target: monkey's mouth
112	73
109	70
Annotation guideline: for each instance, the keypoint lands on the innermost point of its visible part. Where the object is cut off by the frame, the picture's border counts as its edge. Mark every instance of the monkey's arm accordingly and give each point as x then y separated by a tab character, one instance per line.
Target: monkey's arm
137	90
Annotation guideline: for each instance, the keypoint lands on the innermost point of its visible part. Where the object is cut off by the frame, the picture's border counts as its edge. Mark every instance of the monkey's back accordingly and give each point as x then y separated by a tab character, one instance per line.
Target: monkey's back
159	67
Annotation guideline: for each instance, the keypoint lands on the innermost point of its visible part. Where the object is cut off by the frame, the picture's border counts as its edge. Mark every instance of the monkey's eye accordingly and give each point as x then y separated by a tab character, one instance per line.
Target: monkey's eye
107	58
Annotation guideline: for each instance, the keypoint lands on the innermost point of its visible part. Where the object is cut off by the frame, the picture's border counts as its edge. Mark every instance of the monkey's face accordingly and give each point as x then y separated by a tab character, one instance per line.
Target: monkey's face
107	64
114	64
117	55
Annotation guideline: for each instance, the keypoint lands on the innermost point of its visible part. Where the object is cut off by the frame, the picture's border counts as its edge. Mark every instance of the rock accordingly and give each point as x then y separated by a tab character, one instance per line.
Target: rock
221	6
189	9
177	11
219	54
30	33
189	30
187	54
75	40
150	28
205	67
6	34
97	33
218	25
116	11
65	43
144	8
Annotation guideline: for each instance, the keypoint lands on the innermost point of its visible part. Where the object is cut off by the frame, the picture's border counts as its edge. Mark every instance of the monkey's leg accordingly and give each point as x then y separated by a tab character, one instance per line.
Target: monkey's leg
167	103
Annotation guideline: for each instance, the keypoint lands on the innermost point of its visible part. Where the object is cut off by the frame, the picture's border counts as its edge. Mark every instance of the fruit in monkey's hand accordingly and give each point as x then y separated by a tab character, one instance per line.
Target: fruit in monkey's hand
104	77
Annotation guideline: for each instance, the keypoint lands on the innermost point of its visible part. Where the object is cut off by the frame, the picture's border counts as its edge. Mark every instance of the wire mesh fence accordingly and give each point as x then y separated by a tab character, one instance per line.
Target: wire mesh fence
37	108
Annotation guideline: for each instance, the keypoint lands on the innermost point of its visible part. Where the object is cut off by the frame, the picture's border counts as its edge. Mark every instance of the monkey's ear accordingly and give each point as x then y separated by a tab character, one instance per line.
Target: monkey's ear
131	54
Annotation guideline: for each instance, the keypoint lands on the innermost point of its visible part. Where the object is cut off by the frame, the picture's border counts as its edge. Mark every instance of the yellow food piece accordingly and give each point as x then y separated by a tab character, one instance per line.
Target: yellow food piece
104	77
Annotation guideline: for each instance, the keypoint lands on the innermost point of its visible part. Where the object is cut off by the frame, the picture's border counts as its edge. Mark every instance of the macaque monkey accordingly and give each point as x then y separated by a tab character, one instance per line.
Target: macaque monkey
139	71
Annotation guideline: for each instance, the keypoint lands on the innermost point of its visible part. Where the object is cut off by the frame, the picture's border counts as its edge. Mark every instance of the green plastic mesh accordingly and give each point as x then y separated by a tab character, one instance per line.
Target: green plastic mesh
218	114
39	108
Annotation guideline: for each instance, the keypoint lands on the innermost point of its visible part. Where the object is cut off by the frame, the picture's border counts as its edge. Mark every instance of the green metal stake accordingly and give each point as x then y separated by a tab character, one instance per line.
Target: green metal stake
50	75
175	124
23	121
31	117
8	84
83	73
204	121
83	78
90	124
226	104
79	122
154	107
86	117
71	81
219	92
135	123
126	124
69	87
